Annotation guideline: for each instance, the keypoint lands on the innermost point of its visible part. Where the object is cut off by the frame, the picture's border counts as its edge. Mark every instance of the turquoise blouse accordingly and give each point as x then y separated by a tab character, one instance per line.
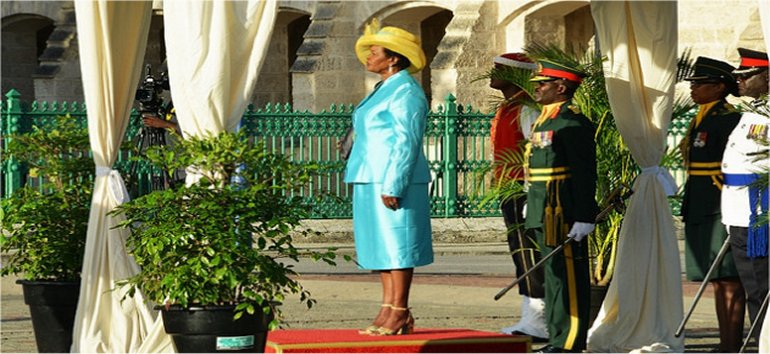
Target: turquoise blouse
389	125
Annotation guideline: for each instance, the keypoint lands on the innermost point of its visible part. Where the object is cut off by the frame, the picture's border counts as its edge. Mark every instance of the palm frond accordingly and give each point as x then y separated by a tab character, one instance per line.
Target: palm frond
761	109
539	51
506	164
516	76
682	105
685	65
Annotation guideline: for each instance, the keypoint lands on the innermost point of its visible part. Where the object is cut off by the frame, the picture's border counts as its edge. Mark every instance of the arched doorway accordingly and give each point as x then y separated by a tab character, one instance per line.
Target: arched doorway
429	23
274	84
23	41
567	24
432	30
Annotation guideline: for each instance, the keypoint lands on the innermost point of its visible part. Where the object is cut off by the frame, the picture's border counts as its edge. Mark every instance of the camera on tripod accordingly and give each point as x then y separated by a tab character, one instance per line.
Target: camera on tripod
149	93
152	132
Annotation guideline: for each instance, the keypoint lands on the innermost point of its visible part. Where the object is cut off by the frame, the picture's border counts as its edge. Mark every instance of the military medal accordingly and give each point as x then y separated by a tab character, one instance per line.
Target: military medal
542	139
757	132
700	139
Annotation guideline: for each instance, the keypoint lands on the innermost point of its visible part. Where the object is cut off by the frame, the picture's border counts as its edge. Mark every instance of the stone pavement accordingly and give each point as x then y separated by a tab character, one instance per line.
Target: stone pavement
457	292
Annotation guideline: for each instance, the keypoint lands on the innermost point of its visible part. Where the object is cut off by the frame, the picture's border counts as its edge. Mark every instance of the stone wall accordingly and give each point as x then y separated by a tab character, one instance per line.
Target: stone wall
715	28
326	70
57	77
475	50
273	82
20	59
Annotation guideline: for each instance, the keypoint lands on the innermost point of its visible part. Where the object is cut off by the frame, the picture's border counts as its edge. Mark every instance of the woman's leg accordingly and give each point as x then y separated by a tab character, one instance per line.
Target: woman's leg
387	298
401	281
730	300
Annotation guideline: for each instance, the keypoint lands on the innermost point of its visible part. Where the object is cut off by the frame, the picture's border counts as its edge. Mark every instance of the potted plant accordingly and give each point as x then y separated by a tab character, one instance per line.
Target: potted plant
44	227
211	252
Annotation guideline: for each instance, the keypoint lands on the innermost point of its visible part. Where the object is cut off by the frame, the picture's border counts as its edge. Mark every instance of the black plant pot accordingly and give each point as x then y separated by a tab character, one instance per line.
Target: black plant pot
52	306
211	329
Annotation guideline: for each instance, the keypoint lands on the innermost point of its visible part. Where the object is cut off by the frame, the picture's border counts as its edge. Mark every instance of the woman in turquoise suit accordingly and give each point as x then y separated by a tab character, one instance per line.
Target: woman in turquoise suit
389	173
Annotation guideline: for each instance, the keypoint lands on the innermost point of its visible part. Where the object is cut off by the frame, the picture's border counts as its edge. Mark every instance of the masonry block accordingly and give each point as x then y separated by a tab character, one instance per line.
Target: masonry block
318	29
325	11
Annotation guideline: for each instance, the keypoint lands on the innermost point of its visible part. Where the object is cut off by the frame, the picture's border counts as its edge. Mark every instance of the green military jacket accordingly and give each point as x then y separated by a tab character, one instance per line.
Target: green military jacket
562	173
705	145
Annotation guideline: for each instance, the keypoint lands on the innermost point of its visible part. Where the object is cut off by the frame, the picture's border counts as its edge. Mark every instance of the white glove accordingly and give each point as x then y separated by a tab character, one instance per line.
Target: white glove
524	210
580	230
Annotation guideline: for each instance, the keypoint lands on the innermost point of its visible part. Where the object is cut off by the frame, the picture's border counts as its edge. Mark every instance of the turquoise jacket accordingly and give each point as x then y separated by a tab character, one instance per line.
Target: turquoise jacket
389	126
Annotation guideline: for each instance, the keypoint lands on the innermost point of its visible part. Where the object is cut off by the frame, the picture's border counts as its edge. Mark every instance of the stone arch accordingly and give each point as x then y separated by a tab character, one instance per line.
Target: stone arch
406	14
512	25
275	79
564	23
426	20
19	10
24	39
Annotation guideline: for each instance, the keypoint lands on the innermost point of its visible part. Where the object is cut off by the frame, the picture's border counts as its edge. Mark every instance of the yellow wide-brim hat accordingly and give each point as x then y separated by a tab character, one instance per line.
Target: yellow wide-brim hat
394	39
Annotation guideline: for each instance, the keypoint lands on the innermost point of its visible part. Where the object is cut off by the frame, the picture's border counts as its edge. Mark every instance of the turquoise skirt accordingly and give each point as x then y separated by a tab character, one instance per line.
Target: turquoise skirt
388	239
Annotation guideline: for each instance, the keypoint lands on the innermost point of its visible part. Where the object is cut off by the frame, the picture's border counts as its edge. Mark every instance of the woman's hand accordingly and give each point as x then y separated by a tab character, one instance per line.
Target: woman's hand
390	202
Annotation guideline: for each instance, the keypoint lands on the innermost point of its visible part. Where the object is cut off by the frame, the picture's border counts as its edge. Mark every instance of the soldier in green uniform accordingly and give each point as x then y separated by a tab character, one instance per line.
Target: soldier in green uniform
561	204
702	150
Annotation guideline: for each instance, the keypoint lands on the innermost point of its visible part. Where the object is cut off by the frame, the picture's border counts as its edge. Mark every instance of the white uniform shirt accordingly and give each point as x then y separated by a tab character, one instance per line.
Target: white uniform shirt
738	158
527	117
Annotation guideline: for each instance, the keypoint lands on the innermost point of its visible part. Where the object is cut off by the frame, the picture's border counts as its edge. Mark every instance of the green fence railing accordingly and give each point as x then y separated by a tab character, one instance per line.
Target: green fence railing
456	144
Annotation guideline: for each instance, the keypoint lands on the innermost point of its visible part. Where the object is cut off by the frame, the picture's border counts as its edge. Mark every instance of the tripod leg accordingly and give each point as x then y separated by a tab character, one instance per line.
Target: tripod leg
714	265
760	319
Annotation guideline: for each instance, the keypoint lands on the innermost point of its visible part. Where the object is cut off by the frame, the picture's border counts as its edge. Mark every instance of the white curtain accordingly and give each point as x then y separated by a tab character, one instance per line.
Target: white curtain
215	50
640	41
112	38
764	16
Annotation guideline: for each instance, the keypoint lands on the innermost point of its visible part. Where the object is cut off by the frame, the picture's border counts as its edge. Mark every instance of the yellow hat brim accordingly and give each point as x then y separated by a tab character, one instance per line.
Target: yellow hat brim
410	49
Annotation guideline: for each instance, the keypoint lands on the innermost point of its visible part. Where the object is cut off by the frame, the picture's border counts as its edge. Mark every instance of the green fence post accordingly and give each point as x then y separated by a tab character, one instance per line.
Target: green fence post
12	118
450	156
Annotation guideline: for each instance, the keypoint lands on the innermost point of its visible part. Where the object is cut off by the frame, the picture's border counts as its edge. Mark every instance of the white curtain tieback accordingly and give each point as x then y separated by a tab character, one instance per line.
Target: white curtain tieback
664	177
115	184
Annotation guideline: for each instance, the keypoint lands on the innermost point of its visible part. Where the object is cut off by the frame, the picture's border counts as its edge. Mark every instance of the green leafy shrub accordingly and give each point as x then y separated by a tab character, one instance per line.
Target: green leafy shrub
220	240
44	228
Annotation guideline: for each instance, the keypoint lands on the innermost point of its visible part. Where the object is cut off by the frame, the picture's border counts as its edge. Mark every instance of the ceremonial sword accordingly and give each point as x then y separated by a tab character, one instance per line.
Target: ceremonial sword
614	202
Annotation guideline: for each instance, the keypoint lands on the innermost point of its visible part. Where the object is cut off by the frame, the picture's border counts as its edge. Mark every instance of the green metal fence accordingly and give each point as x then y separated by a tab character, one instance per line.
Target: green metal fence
456	145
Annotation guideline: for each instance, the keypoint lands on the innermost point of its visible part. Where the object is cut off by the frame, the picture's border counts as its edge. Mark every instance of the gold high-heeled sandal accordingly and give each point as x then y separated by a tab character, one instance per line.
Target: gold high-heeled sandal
372	329
407	328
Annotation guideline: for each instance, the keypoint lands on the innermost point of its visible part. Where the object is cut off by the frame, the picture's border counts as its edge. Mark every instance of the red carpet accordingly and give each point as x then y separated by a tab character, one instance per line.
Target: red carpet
422	341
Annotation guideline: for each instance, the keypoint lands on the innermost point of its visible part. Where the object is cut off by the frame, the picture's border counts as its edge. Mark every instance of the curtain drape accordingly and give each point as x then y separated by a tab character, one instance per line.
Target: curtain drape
764	16
215	50
639	39
112	37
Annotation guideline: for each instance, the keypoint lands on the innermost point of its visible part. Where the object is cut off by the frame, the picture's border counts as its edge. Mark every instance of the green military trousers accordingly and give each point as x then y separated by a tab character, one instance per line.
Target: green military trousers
567	293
